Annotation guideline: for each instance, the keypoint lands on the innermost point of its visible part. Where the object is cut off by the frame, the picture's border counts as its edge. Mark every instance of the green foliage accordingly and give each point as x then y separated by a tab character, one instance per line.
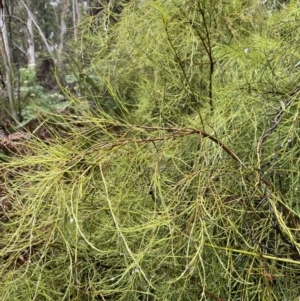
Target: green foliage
188	188
36	101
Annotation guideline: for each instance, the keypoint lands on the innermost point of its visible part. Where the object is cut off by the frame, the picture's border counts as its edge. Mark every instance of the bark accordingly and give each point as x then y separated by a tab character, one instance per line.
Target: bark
30	40
5	51
38	28
63	29
75	17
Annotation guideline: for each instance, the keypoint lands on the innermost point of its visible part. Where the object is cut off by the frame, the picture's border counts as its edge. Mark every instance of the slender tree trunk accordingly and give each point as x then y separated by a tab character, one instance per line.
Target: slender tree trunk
5	51
38	28
63	30
30	40
75	16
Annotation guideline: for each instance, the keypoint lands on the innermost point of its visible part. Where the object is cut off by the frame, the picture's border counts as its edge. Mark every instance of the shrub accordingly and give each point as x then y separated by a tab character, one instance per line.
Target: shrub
188	189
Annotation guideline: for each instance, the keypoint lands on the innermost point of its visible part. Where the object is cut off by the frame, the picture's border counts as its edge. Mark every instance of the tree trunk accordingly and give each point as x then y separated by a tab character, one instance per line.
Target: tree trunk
76	16
5	51
30	40
63	30
30	15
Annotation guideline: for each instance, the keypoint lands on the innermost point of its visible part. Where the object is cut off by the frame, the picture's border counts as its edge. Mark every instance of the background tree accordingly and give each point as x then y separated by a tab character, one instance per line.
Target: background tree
37	36
5	50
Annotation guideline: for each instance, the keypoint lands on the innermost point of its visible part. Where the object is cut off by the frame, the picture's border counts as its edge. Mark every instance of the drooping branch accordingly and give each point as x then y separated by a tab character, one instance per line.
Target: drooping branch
175	133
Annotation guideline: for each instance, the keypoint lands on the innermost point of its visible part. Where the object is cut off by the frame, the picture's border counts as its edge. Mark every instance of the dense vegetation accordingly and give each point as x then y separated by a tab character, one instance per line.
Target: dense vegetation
173	174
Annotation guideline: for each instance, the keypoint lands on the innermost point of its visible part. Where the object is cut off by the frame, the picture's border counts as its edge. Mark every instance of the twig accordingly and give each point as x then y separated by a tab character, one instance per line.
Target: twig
265	135
209	294
286	103
176	133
